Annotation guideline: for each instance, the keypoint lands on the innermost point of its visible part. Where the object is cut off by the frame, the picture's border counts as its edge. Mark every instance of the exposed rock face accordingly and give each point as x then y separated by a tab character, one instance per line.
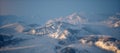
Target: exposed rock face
109	43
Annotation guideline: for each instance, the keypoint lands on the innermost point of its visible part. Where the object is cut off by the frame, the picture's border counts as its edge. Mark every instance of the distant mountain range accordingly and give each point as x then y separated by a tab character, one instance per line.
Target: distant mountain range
70	34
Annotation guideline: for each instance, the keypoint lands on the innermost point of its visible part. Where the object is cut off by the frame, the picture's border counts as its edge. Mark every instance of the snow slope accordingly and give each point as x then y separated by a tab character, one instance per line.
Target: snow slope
70	34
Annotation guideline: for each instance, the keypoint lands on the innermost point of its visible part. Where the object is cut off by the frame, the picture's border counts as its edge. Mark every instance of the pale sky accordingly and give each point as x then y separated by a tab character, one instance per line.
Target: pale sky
47	9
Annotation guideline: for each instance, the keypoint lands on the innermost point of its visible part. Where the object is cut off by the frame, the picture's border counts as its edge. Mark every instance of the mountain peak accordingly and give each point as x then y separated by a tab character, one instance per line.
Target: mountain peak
72	19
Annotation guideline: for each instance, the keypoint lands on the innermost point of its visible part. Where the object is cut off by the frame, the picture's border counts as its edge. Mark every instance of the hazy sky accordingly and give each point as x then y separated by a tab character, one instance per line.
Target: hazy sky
56	8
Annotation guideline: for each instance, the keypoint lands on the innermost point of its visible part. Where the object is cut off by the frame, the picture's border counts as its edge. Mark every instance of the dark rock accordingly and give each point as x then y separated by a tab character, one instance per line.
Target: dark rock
68	50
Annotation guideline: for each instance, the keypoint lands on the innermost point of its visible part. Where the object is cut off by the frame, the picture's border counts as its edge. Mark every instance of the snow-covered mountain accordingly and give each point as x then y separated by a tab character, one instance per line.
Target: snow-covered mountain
70	34
113	21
